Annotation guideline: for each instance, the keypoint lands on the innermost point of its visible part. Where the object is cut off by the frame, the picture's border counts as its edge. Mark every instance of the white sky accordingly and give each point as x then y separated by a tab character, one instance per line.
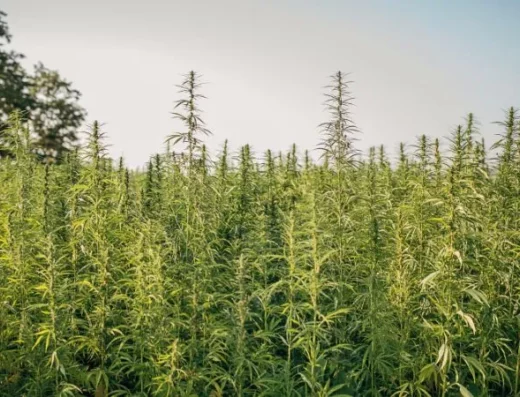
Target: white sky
416	69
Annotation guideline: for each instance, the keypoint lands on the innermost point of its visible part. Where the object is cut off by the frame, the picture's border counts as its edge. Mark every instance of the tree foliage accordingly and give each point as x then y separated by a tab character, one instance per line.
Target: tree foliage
48	103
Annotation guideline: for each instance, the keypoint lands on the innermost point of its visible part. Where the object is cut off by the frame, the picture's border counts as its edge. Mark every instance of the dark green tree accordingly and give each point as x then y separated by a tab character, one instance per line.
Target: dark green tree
57	115
48	103
14	82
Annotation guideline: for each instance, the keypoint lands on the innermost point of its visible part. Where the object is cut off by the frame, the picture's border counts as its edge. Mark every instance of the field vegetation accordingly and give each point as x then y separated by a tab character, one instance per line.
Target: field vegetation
262	274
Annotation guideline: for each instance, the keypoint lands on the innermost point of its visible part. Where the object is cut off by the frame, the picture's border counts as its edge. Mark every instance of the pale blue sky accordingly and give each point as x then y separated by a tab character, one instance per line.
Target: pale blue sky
418	66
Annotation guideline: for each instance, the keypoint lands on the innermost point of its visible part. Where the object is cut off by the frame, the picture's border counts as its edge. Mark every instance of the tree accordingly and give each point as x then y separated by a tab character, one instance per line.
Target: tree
57	115
48	103
14	82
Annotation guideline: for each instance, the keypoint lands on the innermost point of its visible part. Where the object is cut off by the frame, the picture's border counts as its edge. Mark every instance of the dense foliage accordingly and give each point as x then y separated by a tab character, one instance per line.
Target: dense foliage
262	274
49	103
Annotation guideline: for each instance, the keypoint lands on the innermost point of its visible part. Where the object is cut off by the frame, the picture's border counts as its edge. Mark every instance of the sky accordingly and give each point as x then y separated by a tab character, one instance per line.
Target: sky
418	67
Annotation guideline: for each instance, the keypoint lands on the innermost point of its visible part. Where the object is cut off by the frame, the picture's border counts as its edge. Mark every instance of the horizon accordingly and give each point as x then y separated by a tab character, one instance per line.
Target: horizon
266	64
